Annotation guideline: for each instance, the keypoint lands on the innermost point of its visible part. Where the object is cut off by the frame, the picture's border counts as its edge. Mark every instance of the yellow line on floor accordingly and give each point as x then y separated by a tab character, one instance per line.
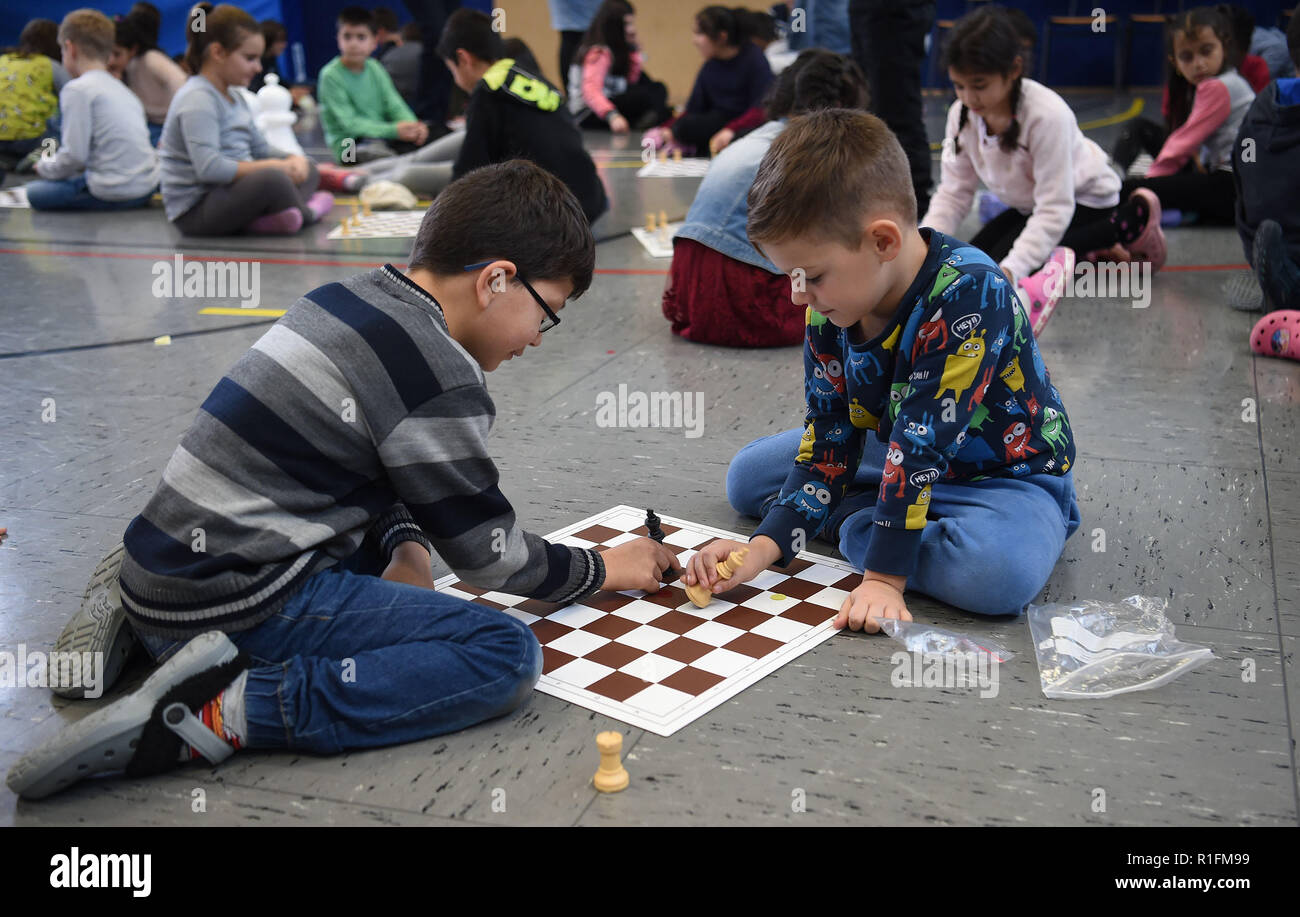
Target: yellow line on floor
260	313
1133	111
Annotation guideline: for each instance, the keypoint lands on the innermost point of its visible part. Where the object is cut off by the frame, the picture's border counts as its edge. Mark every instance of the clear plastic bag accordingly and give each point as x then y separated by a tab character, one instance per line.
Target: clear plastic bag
1092	649
935	641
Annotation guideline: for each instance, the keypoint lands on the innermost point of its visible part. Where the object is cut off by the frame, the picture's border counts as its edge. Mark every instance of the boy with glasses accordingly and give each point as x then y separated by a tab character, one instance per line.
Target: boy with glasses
281	572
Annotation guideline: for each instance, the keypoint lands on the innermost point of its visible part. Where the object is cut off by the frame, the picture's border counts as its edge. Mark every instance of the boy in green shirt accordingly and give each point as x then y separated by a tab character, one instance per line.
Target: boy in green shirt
359	104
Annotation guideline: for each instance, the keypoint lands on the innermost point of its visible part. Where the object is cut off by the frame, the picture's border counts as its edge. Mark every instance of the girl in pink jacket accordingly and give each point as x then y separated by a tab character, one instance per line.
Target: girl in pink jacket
608	86
1023	142
1208	99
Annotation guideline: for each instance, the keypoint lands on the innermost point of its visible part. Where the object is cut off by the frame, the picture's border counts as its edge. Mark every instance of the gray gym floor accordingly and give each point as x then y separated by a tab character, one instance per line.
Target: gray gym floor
1185	463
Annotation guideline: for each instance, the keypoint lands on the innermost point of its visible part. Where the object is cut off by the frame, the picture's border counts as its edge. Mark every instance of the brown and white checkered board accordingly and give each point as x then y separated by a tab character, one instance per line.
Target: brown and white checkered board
383	224
657	661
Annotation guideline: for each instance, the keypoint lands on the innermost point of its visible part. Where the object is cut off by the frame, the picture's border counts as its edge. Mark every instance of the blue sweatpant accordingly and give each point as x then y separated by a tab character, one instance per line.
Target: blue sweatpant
988	548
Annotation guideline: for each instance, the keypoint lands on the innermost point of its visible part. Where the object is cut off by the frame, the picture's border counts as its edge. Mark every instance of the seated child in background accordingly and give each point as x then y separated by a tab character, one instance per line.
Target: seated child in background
319	524
1268	206
1207	100
429	169
1023	141
387	31
149	73
275	38
734	79
33	77
219	175
361	112
513	113
720	289
402	61
1252	67
608	85
964	489
105	160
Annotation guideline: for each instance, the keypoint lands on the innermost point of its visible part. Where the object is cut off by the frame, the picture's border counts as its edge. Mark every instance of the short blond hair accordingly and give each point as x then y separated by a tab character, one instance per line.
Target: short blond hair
90	31
824	174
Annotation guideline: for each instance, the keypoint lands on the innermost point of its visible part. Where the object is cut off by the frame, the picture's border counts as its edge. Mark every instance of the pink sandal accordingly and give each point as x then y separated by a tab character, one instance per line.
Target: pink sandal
1277	335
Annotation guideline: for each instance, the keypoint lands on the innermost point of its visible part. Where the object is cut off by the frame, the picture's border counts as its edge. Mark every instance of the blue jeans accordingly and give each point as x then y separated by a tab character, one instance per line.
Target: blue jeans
989	548
355	661
72	194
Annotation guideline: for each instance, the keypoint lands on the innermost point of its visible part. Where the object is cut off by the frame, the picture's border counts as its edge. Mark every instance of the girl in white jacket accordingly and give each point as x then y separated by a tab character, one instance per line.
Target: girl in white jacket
1022	140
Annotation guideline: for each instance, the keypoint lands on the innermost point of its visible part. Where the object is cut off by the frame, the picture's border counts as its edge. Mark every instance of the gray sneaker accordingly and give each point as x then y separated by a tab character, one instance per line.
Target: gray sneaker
99	626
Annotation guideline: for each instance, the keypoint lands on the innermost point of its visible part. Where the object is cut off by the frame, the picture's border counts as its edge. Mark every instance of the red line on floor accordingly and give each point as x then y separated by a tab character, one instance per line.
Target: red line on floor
306	262
322	262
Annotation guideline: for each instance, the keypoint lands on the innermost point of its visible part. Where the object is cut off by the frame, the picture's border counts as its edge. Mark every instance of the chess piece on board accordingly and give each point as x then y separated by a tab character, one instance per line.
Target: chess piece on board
649	222
701	594
653	528
612	776
677	155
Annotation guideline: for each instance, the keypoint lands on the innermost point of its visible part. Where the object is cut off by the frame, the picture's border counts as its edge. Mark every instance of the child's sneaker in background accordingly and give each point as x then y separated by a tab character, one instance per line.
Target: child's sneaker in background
1278	275
1150	244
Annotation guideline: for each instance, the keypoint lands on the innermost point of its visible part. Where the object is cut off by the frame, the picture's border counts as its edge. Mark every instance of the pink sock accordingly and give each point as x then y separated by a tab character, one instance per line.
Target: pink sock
320	204
281	223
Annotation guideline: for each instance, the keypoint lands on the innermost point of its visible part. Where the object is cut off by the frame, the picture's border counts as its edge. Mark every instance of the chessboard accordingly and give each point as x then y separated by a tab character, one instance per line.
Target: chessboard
657	661
14	197
659	243
690	167
381	224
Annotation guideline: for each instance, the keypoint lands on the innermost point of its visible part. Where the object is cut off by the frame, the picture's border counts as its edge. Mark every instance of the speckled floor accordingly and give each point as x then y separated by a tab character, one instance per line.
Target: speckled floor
1185	472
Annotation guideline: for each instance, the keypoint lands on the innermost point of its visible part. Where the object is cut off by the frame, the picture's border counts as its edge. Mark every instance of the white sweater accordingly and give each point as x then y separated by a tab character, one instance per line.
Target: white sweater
1053	167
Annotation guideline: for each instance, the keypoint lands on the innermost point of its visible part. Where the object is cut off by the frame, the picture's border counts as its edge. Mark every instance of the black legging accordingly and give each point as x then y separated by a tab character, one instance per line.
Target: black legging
696	129
889	45
641	98
569	43
227	209
1090	230
1141	135
1212	195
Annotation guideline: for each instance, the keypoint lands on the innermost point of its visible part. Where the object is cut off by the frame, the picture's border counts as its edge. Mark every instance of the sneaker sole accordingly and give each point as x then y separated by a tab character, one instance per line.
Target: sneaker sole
105	741
1151	245
99	626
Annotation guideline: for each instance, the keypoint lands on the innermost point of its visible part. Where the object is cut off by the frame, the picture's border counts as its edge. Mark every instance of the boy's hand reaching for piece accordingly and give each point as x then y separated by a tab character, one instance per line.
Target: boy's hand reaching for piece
703	565
873	601
637	564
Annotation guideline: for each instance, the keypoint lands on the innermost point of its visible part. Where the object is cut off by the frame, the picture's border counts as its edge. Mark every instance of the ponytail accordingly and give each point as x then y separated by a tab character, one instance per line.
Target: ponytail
225	25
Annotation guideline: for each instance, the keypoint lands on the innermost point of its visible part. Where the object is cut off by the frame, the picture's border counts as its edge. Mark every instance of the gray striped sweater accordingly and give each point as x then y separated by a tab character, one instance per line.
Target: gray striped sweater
355	413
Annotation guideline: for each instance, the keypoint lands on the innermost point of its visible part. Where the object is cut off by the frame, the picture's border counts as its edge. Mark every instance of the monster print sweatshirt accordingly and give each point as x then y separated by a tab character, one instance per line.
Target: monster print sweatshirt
954	384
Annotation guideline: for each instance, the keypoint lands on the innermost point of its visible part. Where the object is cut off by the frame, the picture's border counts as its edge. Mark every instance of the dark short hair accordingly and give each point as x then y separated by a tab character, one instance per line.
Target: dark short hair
41	36
411	32
471	30
273	31
514	210
355	15
824	174
384	18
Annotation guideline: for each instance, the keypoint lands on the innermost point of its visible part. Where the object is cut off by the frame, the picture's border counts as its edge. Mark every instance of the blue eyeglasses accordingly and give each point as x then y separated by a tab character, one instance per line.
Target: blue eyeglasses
551	319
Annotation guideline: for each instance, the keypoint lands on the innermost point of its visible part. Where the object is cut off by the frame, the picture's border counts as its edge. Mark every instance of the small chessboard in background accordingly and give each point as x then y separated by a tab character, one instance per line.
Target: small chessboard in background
691	167
381	224
14	197
657	661
658	242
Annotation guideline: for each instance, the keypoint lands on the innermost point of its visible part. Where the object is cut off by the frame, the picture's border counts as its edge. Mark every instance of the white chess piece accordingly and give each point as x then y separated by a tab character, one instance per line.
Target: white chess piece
276	119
